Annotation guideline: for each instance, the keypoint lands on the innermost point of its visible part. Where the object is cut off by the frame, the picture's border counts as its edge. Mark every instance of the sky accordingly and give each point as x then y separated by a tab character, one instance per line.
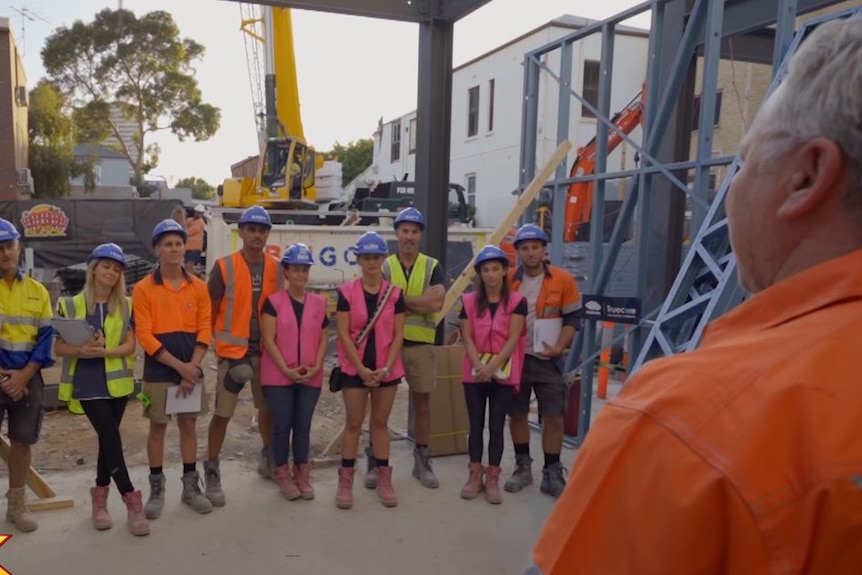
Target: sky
351	70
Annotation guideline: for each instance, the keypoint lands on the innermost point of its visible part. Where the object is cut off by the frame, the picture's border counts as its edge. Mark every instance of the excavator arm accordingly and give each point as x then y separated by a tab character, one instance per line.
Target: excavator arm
579	199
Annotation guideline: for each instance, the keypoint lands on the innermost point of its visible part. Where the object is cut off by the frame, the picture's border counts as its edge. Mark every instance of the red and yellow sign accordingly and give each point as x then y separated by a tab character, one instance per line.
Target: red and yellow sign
44	221
3	539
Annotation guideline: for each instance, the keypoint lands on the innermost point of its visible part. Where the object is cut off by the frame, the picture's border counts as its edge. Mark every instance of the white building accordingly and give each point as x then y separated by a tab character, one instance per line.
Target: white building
129	133
486	114
110	171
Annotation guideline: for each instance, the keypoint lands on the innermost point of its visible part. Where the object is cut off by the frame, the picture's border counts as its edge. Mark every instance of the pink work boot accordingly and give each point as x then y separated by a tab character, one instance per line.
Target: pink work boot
344	495
474	483
285	482
492	484
303	480
385	491
138	524
101	517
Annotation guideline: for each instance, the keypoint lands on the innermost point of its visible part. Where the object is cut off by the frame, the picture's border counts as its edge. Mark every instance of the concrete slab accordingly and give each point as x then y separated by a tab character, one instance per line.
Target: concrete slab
431	532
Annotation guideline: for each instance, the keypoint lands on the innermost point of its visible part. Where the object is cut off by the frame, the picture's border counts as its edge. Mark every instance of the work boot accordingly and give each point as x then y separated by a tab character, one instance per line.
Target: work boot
192	495
301	474
492	484
553	481
285	482
422	468
153	508
370	474
474	483
138	524
212	479
344	494
523	475
385	491
265	465
16	510
99	497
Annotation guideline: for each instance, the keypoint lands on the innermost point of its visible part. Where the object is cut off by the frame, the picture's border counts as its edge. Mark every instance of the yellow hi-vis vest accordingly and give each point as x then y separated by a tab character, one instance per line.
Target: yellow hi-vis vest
119	370
417	326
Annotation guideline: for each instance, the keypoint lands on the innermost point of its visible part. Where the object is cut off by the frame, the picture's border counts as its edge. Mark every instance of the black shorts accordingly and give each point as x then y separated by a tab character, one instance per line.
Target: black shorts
25	416
354	381
545	378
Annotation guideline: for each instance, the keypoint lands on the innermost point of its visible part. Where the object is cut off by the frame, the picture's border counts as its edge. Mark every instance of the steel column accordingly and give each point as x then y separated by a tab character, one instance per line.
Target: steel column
564	113
785	27
529	128
434	113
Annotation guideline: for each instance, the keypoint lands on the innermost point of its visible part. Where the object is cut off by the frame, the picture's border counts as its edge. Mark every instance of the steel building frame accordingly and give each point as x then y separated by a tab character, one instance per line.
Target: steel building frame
680	31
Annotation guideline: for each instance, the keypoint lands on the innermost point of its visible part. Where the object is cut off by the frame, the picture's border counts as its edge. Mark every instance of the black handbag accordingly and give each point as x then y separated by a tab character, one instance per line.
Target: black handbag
336	383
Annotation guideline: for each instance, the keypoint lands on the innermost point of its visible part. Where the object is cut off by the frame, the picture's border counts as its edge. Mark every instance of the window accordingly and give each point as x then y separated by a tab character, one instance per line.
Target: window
491	105
473	111
412	136
471	189
395	151
695	121
592	69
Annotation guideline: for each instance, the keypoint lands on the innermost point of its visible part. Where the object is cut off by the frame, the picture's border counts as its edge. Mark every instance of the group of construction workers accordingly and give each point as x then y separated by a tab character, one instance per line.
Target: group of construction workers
269	331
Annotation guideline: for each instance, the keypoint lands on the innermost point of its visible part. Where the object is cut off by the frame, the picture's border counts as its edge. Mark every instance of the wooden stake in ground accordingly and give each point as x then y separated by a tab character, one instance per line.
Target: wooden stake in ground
524	200
47	497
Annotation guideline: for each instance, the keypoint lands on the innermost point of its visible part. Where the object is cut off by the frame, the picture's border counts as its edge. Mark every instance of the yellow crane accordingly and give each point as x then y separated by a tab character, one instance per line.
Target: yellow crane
286	164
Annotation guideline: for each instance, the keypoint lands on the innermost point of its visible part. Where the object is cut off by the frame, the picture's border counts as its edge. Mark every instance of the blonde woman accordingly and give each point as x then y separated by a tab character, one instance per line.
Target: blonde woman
98	378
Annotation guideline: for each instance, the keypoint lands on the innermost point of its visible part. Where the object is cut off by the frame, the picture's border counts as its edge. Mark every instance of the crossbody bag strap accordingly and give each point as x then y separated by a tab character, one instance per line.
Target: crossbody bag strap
370	325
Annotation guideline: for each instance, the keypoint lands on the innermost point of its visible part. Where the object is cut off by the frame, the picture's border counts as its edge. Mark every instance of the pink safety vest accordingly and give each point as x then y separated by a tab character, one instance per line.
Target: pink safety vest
287	337
490	335
384	329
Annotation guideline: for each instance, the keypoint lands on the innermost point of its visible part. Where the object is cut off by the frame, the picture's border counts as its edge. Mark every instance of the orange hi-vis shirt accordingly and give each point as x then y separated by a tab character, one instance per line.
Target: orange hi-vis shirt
195	229
741	457
176	320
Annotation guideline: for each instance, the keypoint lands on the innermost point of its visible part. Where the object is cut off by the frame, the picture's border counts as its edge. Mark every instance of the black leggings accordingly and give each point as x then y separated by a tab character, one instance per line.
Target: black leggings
106	415
499	398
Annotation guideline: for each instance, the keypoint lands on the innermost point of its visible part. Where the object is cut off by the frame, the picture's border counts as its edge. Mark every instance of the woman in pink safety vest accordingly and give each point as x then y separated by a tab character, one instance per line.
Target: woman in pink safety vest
493	319
294	331
372	368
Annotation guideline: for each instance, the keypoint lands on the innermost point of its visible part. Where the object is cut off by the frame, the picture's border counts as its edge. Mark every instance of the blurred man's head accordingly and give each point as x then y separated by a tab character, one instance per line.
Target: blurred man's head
797	198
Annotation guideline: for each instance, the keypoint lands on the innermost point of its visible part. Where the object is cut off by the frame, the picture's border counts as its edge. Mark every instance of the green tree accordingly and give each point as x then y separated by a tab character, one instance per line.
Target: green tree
52	142
201	190
355	158
141	67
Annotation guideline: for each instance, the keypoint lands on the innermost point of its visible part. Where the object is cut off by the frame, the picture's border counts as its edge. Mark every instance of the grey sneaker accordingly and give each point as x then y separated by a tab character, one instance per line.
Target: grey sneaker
212	478
265	464
192	495
553	481
523	475
422	468
153	508
371	473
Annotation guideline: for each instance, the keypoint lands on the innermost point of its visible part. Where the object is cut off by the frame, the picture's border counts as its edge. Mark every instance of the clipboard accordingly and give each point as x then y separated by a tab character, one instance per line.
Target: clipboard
73	331
192	403
503	372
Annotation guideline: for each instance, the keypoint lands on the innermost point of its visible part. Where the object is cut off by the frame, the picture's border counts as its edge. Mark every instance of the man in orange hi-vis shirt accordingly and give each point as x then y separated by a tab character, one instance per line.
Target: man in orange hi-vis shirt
745	455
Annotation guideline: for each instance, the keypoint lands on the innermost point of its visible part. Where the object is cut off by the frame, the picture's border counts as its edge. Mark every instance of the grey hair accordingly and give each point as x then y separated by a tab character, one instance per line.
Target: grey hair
821	96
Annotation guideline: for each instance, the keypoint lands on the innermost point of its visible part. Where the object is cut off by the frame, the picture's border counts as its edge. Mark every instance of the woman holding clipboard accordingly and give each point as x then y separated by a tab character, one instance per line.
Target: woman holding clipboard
492	328
98	378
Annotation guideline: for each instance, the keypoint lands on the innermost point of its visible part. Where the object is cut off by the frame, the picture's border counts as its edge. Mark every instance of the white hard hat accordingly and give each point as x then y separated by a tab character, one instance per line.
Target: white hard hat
200	208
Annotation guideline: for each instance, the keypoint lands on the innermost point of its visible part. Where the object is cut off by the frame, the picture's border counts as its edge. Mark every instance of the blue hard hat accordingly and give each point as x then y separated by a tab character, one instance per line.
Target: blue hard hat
370	243
530	232
297	254
8	231
491	253
410	215
168	226
255	215
109	252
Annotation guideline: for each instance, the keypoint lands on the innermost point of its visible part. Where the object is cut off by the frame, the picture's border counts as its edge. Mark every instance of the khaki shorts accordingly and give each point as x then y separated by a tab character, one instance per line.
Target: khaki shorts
420	367
225	403
158	391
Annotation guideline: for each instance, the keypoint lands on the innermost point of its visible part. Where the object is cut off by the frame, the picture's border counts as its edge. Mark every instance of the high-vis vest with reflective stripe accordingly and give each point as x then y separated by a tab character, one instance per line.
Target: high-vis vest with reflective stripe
417	326
490	334
233	323
297	348
384	329
118	370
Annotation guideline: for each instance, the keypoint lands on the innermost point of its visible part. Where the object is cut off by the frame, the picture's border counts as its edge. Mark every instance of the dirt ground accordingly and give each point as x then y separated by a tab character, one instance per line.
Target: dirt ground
68	442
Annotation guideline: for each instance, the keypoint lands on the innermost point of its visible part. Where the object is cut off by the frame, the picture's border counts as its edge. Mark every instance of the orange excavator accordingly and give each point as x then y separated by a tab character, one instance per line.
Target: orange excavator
579	200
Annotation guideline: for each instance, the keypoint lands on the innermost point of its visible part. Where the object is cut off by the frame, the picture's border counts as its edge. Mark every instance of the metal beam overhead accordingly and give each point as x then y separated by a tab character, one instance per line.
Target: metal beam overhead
404	10
454	10
755	47
743	16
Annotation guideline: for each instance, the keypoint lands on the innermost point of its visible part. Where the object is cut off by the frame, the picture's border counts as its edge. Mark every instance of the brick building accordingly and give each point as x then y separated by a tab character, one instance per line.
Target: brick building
14	144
